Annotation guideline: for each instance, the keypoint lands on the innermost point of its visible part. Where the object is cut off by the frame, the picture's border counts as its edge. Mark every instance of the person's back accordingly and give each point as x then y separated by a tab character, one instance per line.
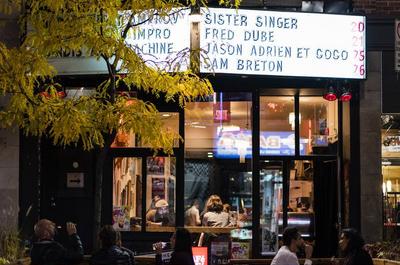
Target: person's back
192	216
111	253
216	219
49	252
359	257
112	256
181	258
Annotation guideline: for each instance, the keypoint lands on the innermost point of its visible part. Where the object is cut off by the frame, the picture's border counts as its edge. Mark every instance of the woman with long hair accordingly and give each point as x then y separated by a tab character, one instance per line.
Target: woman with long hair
352	246
215	216
181	243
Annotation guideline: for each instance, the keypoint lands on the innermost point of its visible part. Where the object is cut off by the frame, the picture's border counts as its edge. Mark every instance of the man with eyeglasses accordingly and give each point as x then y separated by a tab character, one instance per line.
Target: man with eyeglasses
292	242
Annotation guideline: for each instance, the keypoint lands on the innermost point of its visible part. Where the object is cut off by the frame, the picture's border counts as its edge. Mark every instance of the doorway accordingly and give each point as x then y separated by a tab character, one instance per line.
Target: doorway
299	193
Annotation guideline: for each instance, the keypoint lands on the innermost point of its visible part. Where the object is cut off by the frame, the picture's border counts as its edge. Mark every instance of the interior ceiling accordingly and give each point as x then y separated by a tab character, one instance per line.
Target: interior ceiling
241	110
391	172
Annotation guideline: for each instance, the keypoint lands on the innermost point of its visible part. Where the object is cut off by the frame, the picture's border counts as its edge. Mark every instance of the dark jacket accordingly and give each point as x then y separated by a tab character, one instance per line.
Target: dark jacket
113	256
177	258
358	257
53	253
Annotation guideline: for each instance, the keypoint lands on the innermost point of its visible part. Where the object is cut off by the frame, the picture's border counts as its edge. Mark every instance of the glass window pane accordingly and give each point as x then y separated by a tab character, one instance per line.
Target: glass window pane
277	126
128	140
318	126
160	197
301	197
271	198
127	193
218	172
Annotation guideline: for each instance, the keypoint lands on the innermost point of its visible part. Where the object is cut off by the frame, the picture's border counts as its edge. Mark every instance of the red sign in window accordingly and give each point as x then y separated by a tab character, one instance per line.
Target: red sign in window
200	255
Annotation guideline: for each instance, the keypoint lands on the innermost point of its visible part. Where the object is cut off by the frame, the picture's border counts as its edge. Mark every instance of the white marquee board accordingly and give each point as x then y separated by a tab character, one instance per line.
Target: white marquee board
283	43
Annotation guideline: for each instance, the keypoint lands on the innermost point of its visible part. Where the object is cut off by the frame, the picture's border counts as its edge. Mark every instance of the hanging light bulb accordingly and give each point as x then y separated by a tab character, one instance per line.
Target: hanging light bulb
330	94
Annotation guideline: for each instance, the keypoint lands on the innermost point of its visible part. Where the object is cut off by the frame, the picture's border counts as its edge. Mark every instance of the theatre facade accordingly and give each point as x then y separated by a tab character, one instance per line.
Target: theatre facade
273	141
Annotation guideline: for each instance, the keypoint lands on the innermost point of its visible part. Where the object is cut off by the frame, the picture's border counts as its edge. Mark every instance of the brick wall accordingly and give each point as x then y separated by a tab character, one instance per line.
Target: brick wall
379	7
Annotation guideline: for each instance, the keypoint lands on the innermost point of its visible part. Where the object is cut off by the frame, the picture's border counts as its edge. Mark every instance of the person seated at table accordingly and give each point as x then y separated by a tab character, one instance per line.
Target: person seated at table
110	252
161	215
352	245
192	215
292	242
215	216
46	251
181	243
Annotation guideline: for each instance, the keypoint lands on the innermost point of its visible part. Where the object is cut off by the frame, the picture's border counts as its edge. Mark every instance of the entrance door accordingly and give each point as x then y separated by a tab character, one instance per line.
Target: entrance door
299	193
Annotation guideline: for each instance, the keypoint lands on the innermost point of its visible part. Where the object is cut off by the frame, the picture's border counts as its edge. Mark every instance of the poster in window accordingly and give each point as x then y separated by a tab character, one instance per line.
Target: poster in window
240	250
219	252
269	242
155	165
158	187
121	219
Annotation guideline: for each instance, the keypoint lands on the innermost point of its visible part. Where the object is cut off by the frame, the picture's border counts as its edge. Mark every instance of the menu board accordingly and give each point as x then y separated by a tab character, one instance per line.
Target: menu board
260	42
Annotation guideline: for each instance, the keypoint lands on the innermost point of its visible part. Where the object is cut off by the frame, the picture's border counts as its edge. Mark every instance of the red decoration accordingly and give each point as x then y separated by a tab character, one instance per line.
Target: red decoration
345	97
330	96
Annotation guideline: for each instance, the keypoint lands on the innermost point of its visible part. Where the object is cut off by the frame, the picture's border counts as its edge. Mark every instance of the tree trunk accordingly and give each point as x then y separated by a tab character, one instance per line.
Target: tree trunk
98	186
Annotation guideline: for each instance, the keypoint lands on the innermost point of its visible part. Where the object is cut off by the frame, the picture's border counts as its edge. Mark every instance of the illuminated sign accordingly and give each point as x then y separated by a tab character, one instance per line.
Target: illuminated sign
239	41
283	43
232	144
162	42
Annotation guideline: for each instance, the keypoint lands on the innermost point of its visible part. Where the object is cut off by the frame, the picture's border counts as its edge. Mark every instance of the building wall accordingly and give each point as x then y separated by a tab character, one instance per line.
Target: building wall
370	151
381	7
9	143
380	19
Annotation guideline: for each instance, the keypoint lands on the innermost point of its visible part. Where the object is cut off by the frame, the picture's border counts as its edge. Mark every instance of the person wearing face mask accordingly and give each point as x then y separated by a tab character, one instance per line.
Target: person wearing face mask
292	242
352	246
181	243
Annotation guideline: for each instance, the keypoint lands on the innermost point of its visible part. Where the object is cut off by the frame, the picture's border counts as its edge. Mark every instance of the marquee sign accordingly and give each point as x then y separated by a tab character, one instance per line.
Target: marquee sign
283	43
245	42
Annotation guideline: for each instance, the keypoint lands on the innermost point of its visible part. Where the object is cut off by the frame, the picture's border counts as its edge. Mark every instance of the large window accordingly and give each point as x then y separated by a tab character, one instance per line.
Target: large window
218	170
159	204
127	193
277	125
390	143
318	126
160	193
